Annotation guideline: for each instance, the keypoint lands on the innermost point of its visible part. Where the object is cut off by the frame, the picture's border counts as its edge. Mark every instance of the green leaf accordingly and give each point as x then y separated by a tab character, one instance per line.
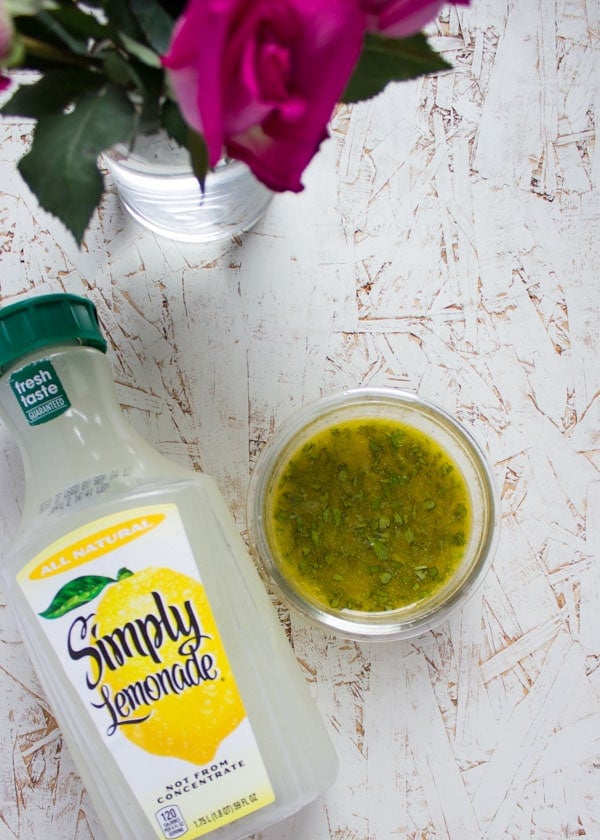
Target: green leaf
174	124
128	33
75	594
147	81
58	24
178	130
140	51
154	22
121	19
199	157
385	60
61	167
79	23
120	71
51	94
44	46
152	86
16	8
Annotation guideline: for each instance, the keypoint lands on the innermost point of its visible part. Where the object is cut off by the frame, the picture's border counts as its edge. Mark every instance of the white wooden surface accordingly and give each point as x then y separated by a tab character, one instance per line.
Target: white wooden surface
447	242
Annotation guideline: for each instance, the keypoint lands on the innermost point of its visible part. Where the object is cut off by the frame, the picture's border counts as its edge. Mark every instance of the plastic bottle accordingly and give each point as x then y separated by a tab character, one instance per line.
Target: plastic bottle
167	668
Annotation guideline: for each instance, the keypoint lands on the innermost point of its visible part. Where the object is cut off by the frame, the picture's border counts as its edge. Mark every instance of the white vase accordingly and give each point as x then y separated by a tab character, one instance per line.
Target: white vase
157	187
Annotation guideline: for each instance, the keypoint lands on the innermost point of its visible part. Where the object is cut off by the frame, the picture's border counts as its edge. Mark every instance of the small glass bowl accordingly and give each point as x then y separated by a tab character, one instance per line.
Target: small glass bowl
411	410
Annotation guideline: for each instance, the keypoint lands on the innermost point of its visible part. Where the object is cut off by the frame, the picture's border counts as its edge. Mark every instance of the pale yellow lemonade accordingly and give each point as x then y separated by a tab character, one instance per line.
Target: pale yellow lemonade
159	649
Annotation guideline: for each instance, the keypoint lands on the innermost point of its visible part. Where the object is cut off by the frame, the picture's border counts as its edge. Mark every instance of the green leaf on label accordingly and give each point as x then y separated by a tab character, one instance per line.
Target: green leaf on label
61	167
386	60
75	594
124	573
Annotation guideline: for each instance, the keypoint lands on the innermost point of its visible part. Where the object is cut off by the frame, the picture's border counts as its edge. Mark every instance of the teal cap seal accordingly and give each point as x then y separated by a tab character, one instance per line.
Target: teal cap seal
44	320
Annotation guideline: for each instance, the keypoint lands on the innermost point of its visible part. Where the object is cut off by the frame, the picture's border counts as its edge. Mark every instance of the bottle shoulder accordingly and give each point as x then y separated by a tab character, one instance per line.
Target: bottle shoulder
100	496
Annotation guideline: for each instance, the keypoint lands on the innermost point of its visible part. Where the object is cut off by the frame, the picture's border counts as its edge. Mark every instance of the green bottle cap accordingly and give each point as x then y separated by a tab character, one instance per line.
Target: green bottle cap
41	321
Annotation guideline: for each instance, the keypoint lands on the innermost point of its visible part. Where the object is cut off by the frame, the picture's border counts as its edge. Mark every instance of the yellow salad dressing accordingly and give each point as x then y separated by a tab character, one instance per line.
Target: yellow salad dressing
370	515
169	674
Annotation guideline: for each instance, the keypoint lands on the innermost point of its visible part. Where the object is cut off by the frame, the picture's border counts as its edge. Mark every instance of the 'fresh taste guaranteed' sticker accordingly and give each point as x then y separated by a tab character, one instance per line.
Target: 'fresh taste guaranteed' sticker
39	392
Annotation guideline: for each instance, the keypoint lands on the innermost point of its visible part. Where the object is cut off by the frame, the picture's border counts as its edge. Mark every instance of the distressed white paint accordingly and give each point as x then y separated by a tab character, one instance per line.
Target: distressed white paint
447	242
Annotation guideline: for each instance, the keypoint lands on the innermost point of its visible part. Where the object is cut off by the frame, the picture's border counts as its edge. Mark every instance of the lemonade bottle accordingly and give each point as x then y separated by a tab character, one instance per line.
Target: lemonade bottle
156	643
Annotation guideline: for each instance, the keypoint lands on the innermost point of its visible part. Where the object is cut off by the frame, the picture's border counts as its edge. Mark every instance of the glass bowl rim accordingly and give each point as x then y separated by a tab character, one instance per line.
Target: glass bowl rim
366	626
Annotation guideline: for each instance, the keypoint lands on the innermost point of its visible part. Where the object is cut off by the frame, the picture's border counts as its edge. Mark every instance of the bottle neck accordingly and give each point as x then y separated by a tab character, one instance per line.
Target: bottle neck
86	438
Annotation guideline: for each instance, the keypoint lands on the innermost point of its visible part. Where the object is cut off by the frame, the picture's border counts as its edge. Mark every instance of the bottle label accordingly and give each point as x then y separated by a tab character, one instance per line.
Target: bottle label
39	392
138	640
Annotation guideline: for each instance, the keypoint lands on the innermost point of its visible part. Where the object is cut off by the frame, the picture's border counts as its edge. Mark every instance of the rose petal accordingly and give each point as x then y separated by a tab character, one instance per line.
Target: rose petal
198	40
261	77
401	18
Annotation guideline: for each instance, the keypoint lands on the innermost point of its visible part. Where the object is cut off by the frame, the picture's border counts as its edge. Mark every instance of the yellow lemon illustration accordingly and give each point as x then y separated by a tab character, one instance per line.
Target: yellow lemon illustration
162	671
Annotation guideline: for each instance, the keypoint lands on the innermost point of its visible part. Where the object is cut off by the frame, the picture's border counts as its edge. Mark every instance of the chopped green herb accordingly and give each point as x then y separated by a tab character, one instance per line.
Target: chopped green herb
365	491
381	550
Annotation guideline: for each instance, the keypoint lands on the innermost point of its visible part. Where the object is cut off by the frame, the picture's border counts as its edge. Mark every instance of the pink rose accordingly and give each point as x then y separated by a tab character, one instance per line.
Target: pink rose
400	18
260	78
